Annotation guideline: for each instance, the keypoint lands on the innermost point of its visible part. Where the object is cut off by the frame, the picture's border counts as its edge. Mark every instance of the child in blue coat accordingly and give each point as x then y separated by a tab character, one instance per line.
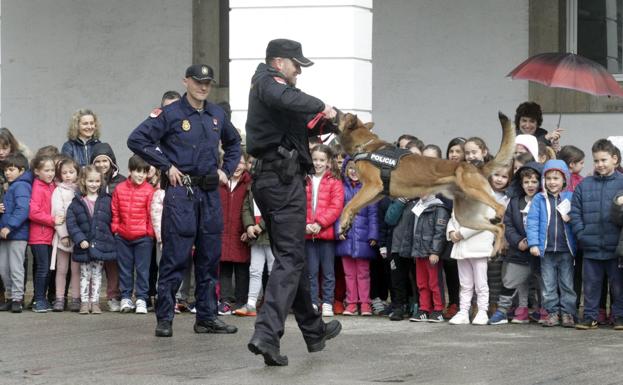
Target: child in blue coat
550	237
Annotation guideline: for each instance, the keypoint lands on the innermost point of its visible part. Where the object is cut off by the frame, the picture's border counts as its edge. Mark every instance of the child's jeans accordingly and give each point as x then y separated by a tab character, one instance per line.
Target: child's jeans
90	281
357	277
41	254
63	260
557	274
131	255
473	275
260	255
320	254
12	255
515	280
429	281
593	274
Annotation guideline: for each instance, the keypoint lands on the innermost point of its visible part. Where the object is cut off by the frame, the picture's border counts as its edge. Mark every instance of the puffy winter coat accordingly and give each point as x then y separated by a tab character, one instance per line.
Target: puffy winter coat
429	231
400	216
155	210
592	201
16	203
232	248
515	232
79	150
365	227
329	205
131	204
41	230
475	243
93	229
62	197
539	222
616	216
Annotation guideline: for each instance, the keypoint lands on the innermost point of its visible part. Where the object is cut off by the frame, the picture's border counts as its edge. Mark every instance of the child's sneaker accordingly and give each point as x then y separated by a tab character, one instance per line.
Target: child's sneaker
521	316
246	311
224	308
74	305
17	306
481	318
419	316
41	306
618	323
327	310
141	306
587	324
114	305
460	318
338	307
182	306
84	308
498	318
126	305
366	309
543	316
95	308
552	320
6	305
435	316
397	313
193	308
568	321
378	306
59	305
351	309
450	311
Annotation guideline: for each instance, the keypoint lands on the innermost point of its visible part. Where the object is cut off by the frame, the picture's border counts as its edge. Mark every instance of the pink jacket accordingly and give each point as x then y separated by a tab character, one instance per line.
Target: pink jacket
329	205
157	204
41	219
61	199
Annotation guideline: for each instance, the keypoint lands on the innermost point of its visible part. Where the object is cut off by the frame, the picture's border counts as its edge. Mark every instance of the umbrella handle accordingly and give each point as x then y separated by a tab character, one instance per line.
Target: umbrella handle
559	118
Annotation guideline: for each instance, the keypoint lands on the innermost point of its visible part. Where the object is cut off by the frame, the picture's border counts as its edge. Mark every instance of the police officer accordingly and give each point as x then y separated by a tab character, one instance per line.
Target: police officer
277	136
182	140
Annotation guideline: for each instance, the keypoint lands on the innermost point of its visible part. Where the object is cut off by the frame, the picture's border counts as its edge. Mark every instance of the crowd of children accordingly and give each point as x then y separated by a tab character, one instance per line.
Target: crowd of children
404	258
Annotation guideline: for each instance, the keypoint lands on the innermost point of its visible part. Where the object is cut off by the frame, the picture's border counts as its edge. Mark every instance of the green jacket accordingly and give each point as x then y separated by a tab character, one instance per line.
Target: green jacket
248	219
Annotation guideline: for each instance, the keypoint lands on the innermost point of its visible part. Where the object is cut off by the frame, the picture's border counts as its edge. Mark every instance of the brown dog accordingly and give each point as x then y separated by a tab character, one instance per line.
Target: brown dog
417	176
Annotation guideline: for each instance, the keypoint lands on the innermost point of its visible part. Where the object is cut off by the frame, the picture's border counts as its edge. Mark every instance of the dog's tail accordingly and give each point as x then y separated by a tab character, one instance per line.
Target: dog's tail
504	156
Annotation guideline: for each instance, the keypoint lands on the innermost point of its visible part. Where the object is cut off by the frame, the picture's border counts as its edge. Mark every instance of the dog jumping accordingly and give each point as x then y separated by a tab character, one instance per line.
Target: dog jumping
417	176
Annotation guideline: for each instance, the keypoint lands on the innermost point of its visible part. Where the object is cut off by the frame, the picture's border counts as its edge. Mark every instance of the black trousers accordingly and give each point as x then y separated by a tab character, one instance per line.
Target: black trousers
234	279
402	269
283	208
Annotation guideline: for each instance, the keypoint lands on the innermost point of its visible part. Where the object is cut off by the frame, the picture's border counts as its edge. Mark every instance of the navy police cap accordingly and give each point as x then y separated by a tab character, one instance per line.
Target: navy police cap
288	49
200	72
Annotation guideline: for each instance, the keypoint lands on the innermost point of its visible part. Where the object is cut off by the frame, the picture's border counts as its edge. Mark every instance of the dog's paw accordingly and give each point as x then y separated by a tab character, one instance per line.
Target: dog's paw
495	221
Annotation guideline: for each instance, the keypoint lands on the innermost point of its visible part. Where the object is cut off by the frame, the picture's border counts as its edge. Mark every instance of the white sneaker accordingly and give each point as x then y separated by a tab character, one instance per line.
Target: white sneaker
460	318
481	318
114	305
126	305
141	306
327	310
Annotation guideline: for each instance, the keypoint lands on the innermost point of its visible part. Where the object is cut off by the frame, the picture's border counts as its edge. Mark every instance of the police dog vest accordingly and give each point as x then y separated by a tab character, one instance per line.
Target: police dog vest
386	159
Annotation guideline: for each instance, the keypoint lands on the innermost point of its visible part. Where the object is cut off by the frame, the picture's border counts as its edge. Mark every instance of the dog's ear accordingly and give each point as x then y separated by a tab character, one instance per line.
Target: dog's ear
369	125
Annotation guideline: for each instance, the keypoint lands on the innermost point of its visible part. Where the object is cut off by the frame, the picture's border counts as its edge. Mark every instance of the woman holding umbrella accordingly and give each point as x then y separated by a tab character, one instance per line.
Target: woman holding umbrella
528	120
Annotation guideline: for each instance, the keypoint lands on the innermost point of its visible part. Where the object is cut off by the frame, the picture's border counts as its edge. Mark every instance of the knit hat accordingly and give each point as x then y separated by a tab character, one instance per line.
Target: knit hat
530	143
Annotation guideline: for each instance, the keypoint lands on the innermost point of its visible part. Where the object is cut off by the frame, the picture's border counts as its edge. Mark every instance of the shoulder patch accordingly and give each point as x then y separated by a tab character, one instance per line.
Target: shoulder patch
279	80
155	113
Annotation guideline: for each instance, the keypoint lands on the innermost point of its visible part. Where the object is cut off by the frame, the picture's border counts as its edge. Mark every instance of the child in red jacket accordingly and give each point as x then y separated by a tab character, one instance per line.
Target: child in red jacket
42	224
325	201
131	224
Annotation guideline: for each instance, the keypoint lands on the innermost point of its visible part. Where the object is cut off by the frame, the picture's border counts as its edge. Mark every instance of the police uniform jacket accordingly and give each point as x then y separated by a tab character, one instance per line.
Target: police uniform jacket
278	115
180	135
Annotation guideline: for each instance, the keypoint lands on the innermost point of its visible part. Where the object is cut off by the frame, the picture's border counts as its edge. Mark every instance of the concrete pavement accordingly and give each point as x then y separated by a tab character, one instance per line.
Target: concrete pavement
67	348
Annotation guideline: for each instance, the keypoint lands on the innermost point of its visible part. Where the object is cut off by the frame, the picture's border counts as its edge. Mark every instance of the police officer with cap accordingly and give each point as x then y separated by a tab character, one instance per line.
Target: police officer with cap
182	140
279	120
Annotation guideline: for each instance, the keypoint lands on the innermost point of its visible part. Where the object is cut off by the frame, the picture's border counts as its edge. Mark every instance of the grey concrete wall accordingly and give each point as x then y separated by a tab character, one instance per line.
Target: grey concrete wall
116	57
439	67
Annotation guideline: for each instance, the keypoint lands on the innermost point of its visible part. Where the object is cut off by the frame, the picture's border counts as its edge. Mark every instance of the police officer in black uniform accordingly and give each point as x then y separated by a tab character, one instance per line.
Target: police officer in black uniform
182	140
279	120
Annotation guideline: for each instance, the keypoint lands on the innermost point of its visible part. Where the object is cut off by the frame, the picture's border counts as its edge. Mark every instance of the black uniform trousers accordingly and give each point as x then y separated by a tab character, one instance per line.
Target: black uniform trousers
284	208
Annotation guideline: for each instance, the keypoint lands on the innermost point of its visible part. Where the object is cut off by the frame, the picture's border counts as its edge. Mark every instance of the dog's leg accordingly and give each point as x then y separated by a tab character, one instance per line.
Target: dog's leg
364	197
476	215
476	187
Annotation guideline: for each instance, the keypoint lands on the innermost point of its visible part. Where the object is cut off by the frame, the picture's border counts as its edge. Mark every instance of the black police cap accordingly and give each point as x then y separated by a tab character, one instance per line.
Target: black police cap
289	49
200	72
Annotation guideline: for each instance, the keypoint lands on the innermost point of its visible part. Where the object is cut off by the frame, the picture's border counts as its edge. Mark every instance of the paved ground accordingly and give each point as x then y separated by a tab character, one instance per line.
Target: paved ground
67	348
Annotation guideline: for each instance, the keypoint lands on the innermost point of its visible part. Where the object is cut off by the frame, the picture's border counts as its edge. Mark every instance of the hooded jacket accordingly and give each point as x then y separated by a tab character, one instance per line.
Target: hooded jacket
232	248
41	230
365	226
79	150
545	226
113	177
16	207
329	205
590	214
514	218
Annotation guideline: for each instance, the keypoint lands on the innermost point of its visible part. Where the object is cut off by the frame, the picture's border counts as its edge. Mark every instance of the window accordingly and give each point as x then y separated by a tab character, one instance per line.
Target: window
595	31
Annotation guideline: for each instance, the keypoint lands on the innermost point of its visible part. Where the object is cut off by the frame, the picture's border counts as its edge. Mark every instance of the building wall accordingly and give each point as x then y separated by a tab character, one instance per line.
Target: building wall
116	57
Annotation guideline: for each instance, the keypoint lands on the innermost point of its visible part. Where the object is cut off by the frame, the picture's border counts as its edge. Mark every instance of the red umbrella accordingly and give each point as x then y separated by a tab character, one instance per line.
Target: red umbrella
568	70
